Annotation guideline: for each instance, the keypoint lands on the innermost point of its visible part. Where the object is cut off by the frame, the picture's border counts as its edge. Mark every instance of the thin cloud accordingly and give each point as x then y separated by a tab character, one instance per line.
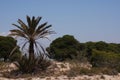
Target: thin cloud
4	33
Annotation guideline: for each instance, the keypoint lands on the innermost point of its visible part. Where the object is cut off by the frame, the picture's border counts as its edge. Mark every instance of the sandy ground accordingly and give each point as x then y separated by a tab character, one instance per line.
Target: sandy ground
84	77
63	77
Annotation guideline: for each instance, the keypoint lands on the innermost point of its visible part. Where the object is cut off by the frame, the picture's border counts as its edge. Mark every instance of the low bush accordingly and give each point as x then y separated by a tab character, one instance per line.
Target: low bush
43	62
25	65
106	59
75	71
76	68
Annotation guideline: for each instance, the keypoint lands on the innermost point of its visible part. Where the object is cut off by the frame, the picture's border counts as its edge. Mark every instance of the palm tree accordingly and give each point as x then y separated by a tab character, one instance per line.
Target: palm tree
31	32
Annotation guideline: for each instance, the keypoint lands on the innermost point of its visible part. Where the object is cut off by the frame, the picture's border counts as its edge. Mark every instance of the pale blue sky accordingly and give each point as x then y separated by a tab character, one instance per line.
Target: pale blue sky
87	20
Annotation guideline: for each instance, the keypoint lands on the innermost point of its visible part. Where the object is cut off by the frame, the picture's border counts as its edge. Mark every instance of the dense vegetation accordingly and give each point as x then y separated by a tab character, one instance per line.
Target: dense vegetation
7	44
63	48
99	54
66	46
105	59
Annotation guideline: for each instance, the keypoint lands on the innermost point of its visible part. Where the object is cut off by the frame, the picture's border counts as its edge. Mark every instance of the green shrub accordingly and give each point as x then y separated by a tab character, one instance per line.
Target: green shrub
43	62
77	70
105	59
7	44
15	57
103	70
102	46
26	65
63	48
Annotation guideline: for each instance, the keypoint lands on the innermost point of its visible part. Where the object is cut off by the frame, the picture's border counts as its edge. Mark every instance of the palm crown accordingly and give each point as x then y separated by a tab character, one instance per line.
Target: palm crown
31	32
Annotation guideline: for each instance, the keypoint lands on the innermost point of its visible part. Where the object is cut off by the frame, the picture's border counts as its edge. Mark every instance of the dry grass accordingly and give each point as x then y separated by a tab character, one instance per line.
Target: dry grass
57	69
77	68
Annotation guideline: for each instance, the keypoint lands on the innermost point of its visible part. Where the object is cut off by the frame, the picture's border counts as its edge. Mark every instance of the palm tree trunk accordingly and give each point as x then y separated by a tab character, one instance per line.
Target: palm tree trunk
31	50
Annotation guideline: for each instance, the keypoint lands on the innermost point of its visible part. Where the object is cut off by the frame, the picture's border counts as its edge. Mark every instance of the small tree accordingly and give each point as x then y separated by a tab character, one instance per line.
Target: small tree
63	48
7	44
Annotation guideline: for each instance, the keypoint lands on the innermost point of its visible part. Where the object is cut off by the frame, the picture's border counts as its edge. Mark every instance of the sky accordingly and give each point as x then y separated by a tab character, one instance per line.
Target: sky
86	20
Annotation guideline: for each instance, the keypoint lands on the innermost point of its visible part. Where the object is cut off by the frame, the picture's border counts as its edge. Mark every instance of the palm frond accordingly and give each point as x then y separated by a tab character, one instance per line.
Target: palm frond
38	51
44	53
41	26
44	29
18	27
28	21
23	25
44	34
33	24
11	53
16	32
24	45
40	32
38	20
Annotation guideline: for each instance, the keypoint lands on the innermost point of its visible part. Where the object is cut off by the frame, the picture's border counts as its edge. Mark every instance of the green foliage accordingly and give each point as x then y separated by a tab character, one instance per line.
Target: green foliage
105	59
7	44
43	63
26	65
15	56
99	54
67	47
103	46
63	48
76	69
114	48
100	46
